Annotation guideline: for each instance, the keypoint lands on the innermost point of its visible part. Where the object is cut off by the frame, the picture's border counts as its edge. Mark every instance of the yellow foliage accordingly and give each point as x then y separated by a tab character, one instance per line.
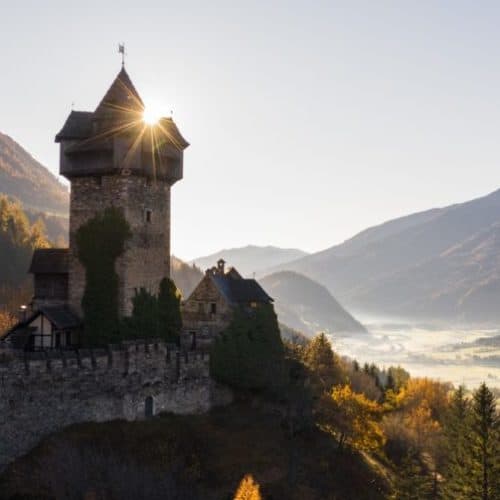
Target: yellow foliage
421	426
248	489
7	321
353	418
424	392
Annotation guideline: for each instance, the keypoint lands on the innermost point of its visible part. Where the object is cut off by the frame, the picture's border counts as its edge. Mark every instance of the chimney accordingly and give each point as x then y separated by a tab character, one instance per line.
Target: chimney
22	312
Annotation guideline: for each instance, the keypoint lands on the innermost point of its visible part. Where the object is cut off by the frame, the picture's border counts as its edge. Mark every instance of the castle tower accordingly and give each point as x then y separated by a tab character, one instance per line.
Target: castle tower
113	158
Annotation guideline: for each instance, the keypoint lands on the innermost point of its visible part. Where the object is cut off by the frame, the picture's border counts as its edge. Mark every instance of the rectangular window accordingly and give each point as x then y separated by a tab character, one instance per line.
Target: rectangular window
213	308
148	215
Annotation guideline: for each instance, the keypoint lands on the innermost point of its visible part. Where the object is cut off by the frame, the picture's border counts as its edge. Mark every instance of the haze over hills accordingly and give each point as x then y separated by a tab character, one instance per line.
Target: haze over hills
29	181
307	306
41	194
251	259
441	264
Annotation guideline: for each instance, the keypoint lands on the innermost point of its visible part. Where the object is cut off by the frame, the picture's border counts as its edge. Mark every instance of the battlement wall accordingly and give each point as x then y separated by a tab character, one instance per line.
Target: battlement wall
41	393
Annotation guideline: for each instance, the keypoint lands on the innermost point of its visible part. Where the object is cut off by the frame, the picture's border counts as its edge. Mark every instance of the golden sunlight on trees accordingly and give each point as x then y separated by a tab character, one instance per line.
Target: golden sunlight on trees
248	489
352	418
427	392
323	362
7	321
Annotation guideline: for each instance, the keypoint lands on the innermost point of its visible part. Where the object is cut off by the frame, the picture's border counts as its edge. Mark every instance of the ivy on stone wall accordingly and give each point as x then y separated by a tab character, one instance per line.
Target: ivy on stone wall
155	316
100	241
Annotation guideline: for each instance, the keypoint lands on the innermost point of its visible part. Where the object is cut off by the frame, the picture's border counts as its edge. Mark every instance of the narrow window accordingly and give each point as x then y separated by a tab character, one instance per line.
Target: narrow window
149	409
148	214
213	308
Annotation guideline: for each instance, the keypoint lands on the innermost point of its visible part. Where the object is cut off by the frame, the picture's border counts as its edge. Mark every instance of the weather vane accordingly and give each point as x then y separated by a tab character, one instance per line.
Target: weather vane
121	50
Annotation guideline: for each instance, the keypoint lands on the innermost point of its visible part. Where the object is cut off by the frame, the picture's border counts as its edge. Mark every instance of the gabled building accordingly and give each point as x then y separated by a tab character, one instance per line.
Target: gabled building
210	307
48	327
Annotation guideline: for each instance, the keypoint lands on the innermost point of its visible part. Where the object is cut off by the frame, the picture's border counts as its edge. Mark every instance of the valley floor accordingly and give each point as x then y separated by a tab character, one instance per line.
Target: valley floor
456	355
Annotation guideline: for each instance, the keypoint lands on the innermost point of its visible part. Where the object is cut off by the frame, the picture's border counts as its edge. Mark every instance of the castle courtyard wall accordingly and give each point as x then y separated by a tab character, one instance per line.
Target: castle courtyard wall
41	393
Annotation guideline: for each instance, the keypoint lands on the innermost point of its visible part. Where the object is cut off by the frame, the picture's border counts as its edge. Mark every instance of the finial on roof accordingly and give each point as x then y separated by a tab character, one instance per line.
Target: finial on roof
121	50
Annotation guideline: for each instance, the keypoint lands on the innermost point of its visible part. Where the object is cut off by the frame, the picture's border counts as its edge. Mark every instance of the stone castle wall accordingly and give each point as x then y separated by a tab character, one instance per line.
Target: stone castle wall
147	254
41	393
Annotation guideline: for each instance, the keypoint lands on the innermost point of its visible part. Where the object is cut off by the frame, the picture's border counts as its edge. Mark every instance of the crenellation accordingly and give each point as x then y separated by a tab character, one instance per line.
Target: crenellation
95	385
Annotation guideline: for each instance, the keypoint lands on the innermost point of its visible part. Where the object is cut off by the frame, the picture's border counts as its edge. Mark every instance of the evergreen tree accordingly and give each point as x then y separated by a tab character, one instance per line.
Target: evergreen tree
144	320
169	311
155	316
249	353
321	360
484	472
413	482
456	428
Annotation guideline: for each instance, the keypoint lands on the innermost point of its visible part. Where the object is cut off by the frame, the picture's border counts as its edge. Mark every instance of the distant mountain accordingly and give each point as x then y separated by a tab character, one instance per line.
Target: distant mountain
442	264
305	305
251	259
22	177
185	276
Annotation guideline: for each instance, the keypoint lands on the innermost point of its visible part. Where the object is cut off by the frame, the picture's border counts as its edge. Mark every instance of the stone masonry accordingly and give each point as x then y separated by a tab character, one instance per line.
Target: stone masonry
147	253
41	393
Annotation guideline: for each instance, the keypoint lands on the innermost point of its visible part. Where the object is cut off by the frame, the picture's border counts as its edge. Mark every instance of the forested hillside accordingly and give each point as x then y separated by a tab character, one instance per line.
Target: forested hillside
185	276
18	239
305	305
22	177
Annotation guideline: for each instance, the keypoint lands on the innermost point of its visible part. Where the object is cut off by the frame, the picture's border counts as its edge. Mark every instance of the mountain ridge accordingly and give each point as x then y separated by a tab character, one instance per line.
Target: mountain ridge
383	270
24	178
251	259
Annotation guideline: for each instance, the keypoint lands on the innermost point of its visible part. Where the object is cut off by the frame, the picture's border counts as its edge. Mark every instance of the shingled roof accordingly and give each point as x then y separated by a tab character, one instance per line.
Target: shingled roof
240	290
121	95
78	125
49	261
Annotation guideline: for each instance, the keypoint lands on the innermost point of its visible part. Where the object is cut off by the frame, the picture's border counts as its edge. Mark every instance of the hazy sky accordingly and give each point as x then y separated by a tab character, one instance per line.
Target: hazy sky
308	121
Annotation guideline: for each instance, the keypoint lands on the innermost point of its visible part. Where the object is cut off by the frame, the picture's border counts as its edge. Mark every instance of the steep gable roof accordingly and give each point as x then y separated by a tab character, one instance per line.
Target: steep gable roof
238	290
121	96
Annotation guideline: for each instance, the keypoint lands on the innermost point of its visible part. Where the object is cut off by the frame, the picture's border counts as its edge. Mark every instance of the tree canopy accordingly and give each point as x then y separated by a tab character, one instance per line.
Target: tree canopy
249	354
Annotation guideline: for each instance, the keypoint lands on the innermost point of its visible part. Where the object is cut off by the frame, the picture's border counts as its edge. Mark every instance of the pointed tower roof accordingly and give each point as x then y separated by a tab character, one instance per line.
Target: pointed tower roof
121	96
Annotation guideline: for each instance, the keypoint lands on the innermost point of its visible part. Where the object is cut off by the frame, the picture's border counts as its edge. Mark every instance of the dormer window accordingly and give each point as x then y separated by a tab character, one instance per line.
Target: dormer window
148	215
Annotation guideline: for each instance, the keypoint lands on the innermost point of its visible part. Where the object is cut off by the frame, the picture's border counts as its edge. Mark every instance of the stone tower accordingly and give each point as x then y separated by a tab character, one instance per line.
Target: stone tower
113	158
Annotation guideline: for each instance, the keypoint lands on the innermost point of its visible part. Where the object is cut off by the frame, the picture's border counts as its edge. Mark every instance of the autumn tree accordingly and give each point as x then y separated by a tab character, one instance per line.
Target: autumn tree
248	489
352	418
7	321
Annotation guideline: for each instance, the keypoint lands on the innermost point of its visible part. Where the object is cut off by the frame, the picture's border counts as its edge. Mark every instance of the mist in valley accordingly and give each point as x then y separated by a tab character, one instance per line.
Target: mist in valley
456	354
